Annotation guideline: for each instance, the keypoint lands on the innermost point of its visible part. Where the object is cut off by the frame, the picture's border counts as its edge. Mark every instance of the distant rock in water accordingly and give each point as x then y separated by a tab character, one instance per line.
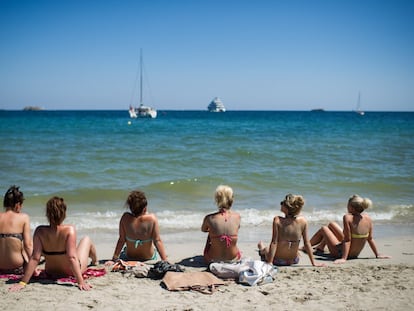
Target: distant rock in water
32	108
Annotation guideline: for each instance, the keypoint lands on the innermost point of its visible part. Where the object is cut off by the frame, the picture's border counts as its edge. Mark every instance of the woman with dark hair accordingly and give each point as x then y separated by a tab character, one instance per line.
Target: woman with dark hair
57	243
138	232
15	239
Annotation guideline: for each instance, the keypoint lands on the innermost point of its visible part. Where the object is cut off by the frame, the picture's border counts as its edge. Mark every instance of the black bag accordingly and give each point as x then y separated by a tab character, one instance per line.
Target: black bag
160	269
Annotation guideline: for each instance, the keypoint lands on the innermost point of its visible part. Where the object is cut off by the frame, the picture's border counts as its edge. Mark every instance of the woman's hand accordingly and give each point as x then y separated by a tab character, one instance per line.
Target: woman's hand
17	287
85	286
383	257
340	261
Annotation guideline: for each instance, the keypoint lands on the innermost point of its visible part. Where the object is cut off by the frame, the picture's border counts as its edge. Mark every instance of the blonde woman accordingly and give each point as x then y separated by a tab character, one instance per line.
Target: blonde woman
15	240
286	235
349	242
223	228
57	243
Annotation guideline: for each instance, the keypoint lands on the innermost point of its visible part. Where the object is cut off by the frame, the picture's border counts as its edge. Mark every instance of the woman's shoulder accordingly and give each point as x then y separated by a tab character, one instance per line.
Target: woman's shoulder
149	217
301	219
24	216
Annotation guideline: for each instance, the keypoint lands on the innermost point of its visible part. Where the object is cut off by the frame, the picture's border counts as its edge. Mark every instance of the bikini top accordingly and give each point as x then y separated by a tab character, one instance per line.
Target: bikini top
290	242
225	237
12	235
359	236
138	242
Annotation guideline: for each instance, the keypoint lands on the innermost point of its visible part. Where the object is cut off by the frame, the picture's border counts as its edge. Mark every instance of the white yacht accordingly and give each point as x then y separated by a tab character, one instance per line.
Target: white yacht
216	105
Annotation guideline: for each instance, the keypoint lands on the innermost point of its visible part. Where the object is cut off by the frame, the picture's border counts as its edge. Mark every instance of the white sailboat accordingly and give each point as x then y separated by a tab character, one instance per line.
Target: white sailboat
141	111
358	109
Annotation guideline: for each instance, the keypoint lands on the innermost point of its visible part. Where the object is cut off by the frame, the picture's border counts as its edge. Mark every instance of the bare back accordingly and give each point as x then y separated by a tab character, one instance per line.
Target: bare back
357	229
288	231
15	239
57	245
223	231
139	234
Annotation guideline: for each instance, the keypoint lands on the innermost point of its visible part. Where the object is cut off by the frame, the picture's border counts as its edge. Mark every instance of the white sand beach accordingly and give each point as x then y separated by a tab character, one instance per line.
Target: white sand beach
362	284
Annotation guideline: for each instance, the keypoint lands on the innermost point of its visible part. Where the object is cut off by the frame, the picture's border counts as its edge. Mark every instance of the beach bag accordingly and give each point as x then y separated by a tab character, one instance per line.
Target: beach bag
259	272
228	270
161	268
201	281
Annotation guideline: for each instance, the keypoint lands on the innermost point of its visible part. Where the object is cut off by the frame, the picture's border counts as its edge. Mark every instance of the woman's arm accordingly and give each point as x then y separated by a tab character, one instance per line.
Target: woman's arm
75	264
156	237
273	243
31	266
205	226
27	239
373	245
121	239
346	243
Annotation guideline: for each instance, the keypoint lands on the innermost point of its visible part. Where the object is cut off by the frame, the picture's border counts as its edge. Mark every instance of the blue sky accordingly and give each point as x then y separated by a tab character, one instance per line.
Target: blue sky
254	55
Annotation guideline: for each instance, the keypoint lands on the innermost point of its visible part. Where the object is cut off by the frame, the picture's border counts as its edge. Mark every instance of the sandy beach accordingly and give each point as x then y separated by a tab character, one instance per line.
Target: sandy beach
362	284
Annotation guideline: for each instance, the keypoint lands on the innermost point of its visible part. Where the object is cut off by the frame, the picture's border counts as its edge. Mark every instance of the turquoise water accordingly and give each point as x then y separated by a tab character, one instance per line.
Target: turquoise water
94	158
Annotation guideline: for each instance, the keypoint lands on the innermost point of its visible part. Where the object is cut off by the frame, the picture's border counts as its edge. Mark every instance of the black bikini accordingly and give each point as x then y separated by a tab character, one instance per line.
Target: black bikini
12	235
54	253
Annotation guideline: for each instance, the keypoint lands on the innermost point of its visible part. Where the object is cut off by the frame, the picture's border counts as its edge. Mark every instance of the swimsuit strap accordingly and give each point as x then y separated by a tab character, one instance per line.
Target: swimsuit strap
138	242
359	236
12	235
291	242
54	253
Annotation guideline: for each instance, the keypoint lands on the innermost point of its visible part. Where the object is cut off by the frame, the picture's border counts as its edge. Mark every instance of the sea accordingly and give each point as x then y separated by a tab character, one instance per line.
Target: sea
93	159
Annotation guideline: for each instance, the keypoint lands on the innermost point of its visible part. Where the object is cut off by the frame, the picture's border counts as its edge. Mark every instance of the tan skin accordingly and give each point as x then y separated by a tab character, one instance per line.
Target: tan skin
142	227
13	252
60	238
354	223
286	234
226	222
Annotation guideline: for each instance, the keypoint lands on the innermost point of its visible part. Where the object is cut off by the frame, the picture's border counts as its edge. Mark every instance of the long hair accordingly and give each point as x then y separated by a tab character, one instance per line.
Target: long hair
12	197
56	211
224	197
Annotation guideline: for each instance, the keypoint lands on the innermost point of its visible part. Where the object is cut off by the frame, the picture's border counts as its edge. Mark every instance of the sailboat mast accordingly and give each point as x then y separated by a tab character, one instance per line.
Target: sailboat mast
140	78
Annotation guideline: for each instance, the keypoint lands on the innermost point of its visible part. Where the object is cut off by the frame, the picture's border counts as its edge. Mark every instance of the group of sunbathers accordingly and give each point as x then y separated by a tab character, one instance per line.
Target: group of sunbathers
139	236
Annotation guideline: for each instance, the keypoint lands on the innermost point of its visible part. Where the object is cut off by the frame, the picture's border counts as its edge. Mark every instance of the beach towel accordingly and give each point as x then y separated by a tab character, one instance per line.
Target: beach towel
71	280
201	281
228	270
11	276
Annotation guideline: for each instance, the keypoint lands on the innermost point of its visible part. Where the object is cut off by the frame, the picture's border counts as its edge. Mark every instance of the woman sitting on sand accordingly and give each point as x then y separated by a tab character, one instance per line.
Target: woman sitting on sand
138	232
222	227
287	233
15	240
57	243
349	242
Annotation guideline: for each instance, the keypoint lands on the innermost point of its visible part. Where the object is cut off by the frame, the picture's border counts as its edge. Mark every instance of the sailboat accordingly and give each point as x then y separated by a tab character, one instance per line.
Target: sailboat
358	109
141	111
